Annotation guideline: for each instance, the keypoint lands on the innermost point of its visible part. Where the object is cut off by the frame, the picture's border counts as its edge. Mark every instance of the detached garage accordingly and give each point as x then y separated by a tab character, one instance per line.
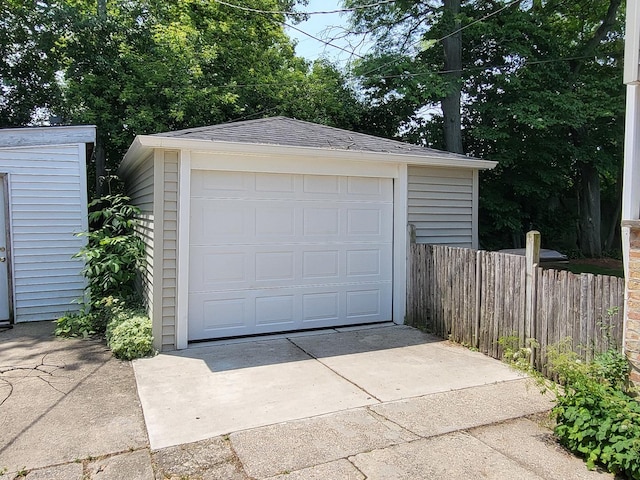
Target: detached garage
279	225
43	204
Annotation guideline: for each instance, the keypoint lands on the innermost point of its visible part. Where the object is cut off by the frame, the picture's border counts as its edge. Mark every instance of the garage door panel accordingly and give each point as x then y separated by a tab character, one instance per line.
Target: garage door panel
247	312
218	316
283	185
272	252
275	310
234	267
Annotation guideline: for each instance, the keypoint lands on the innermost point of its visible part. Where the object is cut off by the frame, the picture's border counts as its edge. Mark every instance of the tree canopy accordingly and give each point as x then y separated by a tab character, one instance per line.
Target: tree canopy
541	92
146	66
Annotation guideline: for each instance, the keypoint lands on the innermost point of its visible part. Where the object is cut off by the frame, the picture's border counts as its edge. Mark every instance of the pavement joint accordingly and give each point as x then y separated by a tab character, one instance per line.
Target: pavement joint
335	371
378	416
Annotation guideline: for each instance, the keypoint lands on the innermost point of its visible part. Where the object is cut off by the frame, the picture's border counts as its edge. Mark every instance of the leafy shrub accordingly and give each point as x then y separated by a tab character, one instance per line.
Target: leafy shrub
76	324
113	253
130	337
595	416
112	256
126	326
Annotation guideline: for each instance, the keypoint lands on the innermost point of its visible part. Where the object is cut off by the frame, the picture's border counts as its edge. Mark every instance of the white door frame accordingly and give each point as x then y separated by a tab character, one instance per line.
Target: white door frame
190	160
6	254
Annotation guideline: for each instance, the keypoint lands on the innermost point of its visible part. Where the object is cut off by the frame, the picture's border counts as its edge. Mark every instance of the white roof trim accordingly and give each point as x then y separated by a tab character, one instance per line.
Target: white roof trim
145	143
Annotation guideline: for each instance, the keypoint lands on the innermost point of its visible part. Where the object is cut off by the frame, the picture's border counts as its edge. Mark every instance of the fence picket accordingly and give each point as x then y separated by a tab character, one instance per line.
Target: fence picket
477	297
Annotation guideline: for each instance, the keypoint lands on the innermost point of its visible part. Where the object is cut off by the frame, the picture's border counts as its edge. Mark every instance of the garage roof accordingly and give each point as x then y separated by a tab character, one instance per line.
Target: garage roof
297	133
297	137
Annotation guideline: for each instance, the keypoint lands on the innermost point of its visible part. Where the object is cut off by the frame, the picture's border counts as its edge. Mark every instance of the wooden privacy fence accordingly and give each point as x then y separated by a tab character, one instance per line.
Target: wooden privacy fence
476	297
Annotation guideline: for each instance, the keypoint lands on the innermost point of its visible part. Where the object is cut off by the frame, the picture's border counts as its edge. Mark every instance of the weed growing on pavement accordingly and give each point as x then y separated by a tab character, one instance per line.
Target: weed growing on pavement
594	414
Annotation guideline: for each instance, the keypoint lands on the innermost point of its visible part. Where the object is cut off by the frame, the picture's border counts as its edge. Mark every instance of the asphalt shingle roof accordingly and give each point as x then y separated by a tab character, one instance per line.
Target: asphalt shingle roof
297	133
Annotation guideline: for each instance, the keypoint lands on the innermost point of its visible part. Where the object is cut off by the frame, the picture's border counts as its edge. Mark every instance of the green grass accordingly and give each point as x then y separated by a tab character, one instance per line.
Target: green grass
579	268
595	269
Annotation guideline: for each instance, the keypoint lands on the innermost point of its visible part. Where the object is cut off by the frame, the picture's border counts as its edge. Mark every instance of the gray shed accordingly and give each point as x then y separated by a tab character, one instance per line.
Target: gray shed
279	225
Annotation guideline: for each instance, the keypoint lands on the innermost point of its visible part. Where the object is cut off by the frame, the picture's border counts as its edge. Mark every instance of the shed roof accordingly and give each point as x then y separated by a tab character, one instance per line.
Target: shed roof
297	133
36	136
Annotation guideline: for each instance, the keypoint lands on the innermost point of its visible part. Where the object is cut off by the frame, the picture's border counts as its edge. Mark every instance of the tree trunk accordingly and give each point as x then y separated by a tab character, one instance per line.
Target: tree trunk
453	66
614	226
100	168
590	223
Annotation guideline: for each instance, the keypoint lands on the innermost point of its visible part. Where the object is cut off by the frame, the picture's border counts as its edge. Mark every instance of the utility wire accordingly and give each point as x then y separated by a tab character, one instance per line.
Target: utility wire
328	43
327	12
411	75
489	15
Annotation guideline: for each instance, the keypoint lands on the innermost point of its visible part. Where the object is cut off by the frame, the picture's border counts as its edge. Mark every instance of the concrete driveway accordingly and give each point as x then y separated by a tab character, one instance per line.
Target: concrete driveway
227	387
381	403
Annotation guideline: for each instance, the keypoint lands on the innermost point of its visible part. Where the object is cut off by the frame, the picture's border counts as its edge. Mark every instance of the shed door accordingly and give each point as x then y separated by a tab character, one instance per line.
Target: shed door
277	252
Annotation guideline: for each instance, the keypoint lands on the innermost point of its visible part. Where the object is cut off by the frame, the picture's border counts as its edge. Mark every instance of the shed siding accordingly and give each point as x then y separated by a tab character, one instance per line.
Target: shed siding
440	205
47	205
140	190
169	250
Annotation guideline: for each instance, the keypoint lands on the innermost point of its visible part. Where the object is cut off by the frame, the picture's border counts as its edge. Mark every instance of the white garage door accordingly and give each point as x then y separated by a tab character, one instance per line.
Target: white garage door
276	252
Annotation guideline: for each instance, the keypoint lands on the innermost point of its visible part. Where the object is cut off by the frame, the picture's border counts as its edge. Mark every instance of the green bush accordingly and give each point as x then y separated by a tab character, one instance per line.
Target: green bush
125	325
112	257
76	324
113	253
594	415
130	337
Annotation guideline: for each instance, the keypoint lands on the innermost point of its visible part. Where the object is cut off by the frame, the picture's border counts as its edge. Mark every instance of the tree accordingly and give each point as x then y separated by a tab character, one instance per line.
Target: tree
144	66
541	93
29	61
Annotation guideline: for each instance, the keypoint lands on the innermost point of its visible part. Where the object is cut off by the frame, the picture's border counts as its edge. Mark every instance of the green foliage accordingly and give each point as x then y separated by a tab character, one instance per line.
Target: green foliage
77	324
516	354
112	256
125	324
129	334
542	95
594	415
29	62
113	253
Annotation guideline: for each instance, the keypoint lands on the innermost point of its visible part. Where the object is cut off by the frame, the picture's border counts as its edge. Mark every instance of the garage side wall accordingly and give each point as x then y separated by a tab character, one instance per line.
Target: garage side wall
441	205
169	268
47	207
140	189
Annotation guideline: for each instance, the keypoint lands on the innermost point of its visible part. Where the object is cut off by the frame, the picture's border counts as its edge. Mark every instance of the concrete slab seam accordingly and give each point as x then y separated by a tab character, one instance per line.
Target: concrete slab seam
377	416
236	457
84	461
334	371
504	454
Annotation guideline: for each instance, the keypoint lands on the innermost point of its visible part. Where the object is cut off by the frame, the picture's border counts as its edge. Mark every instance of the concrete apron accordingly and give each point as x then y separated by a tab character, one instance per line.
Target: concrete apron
227	387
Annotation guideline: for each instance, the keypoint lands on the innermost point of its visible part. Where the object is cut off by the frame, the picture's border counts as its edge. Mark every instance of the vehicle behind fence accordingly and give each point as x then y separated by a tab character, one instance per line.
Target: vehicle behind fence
476	297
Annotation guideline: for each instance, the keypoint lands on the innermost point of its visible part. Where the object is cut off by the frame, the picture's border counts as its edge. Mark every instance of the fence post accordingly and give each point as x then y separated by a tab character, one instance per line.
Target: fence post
532	260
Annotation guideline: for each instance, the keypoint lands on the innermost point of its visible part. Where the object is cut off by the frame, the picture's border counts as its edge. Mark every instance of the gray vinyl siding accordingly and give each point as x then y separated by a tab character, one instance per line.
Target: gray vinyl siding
140	190
47	208
440	205
169	250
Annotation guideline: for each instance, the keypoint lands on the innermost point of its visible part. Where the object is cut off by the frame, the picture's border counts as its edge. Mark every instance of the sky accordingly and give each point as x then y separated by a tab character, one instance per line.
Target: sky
324	27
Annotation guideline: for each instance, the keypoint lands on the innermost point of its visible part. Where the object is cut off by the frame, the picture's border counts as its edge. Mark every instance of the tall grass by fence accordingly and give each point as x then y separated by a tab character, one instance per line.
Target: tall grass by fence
477	297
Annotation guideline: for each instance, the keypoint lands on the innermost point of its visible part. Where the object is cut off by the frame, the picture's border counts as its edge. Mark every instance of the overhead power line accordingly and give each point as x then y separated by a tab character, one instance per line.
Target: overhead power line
291	13
413	75
327	43
438	40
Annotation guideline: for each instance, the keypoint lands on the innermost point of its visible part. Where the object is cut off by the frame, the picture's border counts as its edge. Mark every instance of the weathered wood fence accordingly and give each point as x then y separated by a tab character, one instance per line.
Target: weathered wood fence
476	297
